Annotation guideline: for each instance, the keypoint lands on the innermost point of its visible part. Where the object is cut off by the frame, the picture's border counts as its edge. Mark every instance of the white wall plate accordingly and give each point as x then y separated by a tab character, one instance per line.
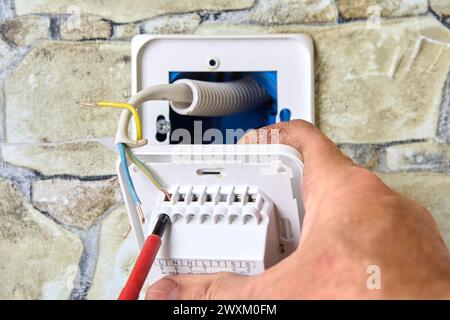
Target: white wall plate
289	55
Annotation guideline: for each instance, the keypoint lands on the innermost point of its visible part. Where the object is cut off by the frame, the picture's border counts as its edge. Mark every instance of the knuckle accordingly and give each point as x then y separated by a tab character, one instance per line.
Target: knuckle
213	290
226	286
357	173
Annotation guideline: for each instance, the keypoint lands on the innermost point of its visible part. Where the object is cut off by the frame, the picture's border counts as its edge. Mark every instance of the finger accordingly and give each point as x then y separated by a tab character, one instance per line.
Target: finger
201	287
321	158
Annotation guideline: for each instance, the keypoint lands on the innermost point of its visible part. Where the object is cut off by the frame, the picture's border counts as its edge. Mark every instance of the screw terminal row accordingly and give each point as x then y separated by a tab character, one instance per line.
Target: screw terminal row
234	206
212	196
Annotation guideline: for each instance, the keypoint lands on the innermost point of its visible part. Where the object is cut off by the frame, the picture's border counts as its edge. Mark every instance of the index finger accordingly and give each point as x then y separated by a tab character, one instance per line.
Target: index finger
321	156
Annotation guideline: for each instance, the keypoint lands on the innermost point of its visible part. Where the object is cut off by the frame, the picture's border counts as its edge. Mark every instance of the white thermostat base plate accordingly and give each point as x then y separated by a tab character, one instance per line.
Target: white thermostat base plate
291	56
232	205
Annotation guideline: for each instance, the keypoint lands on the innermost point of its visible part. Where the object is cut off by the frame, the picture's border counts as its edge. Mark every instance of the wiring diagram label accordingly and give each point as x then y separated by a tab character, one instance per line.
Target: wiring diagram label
193	266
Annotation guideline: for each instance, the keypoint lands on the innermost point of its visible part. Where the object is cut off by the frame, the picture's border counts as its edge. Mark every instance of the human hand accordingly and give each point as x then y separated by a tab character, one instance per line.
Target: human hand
352	221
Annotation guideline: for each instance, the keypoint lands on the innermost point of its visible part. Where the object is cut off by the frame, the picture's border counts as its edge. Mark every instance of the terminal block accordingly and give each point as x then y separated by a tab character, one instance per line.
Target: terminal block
217	229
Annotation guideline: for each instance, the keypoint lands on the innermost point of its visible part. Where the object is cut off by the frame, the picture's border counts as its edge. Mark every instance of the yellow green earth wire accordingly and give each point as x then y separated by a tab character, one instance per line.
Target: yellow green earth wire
130	154
144	169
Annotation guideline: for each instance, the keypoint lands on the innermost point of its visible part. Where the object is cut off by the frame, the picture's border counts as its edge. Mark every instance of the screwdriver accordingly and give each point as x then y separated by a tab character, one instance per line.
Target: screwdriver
145	260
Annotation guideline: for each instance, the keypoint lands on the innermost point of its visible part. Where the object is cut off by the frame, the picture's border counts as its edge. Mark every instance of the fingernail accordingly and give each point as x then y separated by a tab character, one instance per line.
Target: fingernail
164	289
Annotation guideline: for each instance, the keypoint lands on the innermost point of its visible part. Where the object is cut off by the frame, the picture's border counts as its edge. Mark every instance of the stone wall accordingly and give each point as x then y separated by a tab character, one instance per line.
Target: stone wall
382	93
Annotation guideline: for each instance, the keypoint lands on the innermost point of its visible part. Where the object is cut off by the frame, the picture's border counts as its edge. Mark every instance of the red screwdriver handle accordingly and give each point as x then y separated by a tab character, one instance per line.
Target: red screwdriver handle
141	268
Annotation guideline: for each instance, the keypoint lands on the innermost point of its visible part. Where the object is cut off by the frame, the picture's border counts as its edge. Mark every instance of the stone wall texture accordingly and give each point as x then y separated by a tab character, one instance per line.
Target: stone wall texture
382	93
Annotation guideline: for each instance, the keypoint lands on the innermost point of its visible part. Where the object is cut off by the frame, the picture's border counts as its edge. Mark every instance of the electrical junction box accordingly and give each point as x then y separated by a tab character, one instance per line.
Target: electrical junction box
234	208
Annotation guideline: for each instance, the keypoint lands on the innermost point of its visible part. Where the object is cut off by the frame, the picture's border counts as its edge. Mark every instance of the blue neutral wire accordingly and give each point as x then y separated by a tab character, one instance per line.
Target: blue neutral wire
126	172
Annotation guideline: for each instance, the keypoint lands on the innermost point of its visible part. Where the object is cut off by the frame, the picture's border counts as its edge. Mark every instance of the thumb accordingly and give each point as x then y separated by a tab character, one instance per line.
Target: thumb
201	287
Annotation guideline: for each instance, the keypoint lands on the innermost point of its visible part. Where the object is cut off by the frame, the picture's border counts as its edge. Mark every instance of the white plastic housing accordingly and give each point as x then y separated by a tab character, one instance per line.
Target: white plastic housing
290	55
270	174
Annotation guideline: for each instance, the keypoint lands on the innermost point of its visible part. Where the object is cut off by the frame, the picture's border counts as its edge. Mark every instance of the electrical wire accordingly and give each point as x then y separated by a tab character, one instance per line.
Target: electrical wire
146	172
196	97
177	93
125	151
145	260
122	150
130	108
128	182
126	173
129	153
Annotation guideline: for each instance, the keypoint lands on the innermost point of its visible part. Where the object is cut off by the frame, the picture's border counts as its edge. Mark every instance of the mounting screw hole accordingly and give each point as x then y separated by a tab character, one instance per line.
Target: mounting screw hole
281	169
162	128
213	63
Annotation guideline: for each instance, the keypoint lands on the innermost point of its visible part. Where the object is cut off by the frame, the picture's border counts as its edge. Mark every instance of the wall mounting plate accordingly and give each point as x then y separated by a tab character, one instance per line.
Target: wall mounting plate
154	57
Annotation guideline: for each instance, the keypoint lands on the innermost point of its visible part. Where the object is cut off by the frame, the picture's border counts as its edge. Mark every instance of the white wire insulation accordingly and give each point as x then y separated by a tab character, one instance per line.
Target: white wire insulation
196	98
172	92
